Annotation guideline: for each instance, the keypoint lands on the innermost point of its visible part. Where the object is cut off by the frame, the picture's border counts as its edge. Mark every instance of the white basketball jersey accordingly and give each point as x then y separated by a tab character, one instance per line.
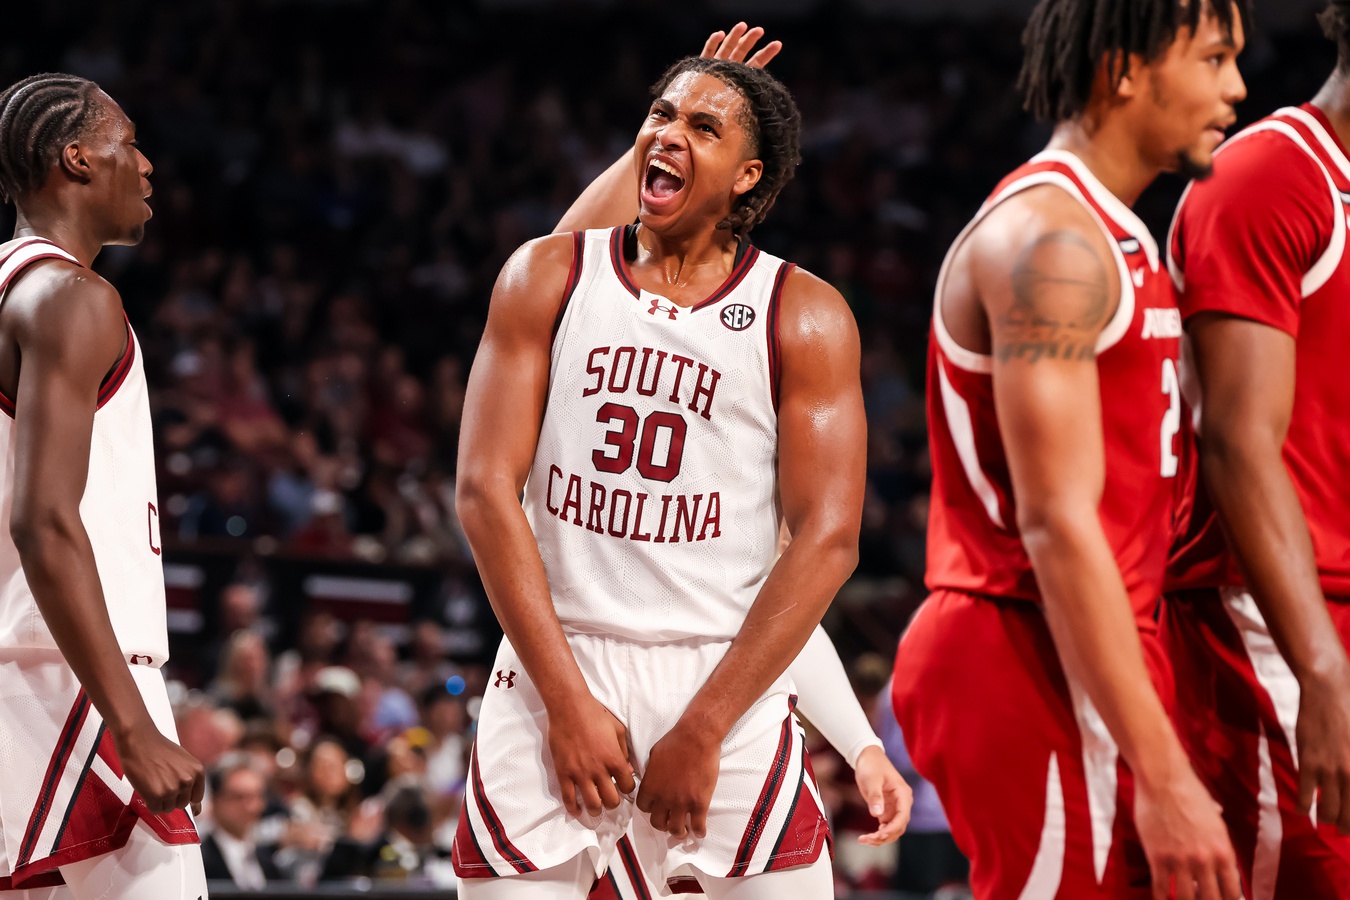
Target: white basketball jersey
653	493
119	508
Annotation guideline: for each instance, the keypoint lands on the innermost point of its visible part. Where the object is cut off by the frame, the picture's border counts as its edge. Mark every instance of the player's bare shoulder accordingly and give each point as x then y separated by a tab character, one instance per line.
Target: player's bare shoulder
533	280
1042	271
63	307
814	318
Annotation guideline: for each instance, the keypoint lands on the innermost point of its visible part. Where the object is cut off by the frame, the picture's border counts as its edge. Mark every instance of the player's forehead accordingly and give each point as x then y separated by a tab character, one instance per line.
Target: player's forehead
691	92
109	119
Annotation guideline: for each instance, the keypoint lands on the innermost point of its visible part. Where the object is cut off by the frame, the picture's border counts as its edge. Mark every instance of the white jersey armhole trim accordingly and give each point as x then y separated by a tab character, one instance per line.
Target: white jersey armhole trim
957	413
1116	329
1322	270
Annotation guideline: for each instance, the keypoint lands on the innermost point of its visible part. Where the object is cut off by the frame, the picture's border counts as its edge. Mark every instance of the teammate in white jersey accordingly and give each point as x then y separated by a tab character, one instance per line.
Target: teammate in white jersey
92	781
660	394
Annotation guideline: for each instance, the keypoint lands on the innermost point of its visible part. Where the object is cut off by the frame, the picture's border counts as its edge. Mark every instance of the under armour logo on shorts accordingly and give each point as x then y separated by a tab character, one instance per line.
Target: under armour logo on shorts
509	678
136	659
671	310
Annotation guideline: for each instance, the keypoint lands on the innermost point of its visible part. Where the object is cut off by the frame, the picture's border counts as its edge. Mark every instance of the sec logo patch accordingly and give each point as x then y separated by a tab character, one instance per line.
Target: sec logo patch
738	316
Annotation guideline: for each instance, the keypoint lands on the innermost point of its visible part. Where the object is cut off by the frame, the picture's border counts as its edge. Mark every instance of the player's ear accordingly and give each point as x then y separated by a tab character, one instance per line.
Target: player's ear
1125	71
752	170
74	162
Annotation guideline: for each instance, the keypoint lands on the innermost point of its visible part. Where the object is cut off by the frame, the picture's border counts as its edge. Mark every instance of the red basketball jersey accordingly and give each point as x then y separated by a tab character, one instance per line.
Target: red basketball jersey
973	541
1264	238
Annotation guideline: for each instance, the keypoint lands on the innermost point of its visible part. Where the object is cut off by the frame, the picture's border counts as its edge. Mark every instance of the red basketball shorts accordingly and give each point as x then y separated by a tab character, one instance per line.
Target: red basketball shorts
1236	710
1031	780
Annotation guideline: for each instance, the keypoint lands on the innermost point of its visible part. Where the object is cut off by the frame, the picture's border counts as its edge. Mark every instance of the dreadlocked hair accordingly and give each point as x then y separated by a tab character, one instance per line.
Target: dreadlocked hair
773	132
1335	22
39	116
1067	40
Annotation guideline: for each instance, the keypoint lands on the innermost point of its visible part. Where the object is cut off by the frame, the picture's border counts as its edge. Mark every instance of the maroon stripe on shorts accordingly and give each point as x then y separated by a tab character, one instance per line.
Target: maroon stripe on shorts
754	829
630	864
500	840
64	745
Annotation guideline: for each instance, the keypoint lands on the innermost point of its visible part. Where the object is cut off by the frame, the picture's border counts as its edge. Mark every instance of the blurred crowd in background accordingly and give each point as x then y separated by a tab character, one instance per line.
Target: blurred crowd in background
336	187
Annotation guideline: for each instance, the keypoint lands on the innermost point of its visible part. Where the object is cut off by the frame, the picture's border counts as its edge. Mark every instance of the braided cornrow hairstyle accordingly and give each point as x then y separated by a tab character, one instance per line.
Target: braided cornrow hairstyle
1335	22
39	116
773	126
1066	41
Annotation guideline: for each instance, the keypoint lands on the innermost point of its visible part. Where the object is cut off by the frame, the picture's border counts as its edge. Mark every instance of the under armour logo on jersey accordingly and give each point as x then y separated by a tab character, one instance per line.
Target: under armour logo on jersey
509	677
671	310
1130	245
136	659
738	316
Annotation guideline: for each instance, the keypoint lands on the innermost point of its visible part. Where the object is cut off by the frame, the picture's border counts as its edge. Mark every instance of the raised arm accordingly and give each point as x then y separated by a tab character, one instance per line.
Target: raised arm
70	330
612	198
822	442
1047	280
503	411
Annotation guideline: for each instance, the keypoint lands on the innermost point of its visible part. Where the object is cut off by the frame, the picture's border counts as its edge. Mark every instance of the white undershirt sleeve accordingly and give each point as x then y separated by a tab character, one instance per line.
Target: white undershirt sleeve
826	699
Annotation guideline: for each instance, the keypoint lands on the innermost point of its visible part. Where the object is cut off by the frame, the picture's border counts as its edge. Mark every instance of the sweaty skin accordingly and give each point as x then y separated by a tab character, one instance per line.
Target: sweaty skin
62	329
1033	286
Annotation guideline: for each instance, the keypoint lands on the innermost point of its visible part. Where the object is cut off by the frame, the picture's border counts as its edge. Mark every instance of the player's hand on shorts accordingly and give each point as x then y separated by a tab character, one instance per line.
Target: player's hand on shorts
888	796
1186	842
590	756
735	44
165	775
1323	738
677	785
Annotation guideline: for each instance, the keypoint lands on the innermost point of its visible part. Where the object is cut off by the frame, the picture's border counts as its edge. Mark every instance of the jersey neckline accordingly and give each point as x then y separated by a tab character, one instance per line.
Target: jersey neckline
624	239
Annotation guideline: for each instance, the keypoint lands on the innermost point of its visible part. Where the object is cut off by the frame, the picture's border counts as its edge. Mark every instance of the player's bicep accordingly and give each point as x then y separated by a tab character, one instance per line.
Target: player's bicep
1246	371
822	427
508	384
1047	306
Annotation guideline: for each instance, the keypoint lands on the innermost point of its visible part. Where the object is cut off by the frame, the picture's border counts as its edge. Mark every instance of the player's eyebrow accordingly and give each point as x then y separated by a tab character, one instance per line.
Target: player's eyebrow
705	118
664	105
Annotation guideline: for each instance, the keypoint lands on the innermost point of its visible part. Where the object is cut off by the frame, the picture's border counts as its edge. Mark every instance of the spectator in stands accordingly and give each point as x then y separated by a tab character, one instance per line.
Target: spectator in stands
405	849
229	851
243	685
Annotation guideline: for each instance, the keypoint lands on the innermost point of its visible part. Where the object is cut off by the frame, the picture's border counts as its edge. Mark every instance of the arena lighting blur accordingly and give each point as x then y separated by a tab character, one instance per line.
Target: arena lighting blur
455	685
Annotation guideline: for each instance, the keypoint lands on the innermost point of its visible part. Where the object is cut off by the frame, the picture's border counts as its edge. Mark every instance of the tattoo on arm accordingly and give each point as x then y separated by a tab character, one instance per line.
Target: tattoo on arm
1061	296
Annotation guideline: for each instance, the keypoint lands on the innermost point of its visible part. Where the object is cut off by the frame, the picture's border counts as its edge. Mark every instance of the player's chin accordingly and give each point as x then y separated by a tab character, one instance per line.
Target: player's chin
1195	163
131	237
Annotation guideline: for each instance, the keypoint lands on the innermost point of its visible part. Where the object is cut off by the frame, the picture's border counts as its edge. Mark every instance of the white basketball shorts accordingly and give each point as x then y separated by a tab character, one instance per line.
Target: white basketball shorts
63	795
765	814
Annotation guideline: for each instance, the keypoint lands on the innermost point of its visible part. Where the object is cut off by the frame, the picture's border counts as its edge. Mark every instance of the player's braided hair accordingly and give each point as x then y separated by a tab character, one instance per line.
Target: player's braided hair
773	126
39	116
1335	22
1067	40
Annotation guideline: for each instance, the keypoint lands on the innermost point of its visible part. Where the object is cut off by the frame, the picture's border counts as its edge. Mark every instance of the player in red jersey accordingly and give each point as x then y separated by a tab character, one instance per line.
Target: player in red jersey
92	780
1030	686
1259	256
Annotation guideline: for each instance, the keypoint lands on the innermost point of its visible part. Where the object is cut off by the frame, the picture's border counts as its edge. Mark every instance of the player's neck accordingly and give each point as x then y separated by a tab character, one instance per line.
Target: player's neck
61	228
1109	154
1334	100
679	258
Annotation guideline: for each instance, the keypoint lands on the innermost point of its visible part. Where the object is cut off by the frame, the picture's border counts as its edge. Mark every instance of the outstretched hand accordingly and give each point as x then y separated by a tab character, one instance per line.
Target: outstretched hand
889	798
735	44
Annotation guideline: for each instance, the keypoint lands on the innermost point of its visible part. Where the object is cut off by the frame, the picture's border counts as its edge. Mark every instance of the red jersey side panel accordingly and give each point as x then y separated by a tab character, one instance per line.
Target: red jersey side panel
1264	238
973	542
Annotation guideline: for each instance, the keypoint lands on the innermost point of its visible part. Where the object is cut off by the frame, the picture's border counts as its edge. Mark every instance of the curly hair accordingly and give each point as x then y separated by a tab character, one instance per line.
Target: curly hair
1066	41
1335	22
39	116
773	127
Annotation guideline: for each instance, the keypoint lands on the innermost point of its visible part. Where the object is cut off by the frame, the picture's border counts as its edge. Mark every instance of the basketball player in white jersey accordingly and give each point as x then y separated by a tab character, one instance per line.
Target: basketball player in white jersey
660	393
825	697
92	783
